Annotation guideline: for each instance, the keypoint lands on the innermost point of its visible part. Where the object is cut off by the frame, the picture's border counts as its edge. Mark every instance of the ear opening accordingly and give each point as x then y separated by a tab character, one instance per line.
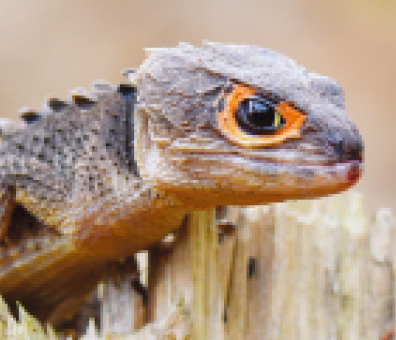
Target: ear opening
142	140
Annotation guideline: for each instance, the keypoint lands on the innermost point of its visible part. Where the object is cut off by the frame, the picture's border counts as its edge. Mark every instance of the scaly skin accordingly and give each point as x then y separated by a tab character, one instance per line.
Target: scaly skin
94	180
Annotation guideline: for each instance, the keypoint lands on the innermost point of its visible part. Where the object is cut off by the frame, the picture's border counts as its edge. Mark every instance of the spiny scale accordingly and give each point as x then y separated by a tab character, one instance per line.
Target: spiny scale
56	104
29	116
79	97
9	127
82	99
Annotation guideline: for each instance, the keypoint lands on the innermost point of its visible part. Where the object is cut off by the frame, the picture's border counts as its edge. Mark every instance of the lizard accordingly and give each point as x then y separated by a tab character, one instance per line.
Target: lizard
105	174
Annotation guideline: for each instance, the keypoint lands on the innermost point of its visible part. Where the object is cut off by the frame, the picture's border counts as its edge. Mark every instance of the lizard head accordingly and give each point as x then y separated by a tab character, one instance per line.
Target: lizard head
237	124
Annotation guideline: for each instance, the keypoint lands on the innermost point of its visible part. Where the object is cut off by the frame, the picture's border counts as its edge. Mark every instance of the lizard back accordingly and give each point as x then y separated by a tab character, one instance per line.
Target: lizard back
65	168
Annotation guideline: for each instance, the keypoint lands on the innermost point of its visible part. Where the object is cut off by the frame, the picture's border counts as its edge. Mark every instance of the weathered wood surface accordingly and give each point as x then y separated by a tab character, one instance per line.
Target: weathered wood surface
298	270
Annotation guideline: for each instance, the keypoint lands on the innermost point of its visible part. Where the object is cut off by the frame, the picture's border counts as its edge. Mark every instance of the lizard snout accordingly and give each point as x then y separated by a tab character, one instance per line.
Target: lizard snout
355	151
349	149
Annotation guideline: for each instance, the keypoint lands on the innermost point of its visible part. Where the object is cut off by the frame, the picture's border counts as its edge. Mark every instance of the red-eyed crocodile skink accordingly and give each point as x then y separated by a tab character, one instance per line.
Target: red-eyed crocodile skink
100	176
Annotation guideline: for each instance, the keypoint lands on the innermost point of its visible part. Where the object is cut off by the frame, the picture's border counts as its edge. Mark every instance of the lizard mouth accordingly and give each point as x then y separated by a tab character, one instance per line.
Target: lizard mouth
305	177
354	172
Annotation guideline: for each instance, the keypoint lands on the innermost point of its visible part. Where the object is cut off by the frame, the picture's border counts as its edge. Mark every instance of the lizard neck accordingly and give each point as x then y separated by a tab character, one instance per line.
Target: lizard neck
118	228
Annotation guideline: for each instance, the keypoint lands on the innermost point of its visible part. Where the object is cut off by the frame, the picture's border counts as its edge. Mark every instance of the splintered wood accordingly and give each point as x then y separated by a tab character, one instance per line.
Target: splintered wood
297	270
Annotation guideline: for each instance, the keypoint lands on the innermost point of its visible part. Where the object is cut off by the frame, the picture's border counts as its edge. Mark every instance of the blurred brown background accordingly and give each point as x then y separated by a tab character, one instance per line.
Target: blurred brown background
51	46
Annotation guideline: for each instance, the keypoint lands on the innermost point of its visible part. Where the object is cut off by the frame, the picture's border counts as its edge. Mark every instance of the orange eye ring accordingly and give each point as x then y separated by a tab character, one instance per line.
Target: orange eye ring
229	125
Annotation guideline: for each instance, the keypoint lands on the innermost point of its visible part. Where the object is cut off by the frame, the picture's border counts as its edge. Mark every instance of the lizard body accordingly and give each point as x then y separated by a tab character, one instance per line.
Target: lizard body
101	177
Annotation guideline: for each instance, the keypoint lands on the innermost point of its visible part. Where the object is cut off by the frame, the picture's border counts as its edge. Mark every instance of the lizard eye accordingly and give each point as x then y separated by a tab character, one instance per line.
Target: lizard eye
259	116
252	120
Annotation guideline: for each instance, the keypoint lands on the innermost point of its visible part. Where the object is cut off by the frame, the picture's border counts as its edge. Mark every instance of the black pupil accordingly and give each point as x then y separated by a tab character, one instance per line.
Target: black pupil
258	116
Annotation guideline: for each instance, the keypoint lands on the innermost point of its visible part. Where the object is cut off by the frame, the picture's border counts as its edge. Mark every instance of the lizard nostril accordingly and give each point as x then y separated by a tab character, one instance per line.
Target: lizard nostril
349	150
355	153
354	150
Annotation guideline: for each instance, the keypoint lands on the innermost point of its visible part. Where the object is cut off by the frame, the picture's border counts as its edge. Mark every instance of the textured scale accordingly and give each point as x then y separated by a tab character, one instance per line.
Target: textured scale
106	173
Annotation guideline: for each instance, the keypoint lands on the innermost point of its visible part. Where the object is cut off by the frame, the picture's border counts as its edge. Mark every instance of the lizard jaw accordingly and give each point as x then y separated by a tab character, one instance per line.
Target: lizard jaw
285	183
